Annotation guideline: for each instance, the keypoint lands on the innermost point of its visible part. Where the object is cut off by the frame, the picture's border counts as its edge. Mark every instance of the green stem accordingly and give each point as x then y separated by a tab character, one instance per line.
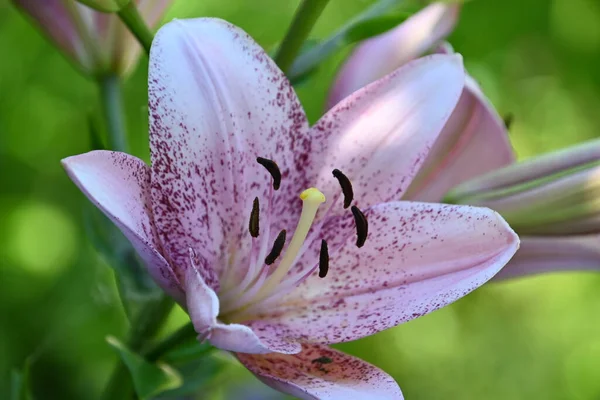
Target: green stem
305	18
181	335
112	106
309	60
144	328
136	24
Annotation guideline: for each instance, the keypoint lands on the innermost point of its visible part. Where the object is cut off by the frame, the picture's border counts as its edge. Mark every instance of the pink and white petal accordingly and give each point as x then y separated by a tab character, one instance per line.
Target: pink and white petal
202	302
473	142
378	56
217	101
539	255
418	257
380	135
322	373
252	338
119	185
203	308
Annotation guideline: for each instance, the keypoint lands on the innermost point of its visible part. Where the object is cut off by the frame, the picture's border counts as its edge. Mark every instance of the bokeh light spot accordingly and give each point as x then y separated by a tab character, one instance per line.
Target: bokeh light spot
41	238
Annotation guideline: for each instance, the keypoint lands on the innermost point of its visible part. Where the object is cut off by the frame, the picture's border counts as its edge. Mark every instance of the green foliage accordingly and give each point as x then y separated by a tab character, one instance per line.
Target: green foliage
198	365
373	27
136	288
20	383
380	17
149	379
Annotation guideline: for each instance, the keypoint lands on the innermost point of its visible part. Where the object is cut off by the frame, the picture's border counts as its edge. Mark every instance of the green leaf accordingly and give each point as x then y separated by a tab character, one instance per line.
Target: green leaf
306	46
149	379
197	374
107	6
20	383
189	351
373	27
136	287
199	365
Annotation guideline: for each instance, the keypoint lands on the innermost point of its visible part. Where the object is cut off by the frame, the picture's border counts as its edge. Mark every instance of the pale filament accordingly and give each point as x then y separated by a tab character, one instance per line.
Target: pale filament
311	200
259	250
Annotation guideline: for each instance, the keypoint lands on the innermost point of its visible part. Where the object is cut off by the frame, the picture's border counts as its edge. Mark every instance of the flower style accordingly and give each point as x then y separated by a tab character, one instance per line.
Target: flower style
96	42
279	238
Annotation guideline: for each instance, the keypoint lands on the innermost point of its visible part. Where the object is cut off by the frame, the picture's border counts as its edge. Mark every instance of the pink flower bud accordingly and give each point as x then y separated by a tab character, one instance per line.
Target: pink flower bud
96	42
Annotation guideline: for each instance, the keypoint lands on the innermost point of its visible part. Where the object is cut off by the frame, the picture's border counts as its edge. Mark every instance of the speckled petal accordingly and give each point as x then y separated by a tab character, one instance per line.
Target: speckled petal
553	254
203	308
119	185
252	339
217	101
378	56
380	135
473	142
322	373
202	302
418	257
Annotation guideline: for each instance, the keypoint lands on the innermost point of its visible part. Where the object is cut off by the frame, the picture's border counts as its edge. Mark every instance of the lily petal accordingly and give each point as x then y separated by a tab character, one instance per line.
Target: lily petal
202	301
473	142
322	373
380	135
251	340
217	101
552	254
203	308
529	170
418	257
119	185
378	56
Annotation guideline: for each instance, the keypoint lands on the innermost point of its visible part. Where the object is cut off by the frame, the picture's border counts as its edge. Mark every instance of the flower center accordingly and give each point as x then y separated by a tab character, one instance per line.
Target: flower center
241	296
311	198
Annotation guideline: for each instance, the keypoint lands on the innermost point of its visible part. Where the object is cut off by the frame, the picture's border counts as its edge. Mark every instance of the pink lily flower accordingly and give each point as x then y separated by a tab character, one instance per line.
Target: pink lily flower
264	274
96	42
474	140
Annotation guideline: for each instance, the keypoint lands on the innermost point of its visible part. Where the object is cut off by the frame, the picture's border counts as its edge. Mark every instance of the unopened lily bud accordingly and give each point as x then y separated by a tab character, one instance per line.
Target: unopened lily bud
96	42
105	5
553	194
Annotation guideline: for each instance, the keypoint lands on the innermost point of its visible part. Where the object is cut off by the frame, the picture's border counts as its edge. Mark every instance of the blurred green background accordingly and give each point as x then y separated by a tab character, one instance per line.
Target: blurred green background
534	338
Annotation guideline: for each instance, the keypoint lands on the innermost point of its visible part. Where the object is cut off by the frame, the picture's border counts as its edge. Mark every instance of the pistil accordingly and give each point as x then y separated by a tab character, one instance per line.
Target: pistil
312	198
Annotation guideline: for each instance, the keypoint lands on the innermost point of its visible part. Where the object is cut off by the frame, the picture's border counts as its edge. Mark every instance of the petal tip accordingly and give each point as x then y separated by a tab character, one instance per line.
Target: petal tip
512	238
